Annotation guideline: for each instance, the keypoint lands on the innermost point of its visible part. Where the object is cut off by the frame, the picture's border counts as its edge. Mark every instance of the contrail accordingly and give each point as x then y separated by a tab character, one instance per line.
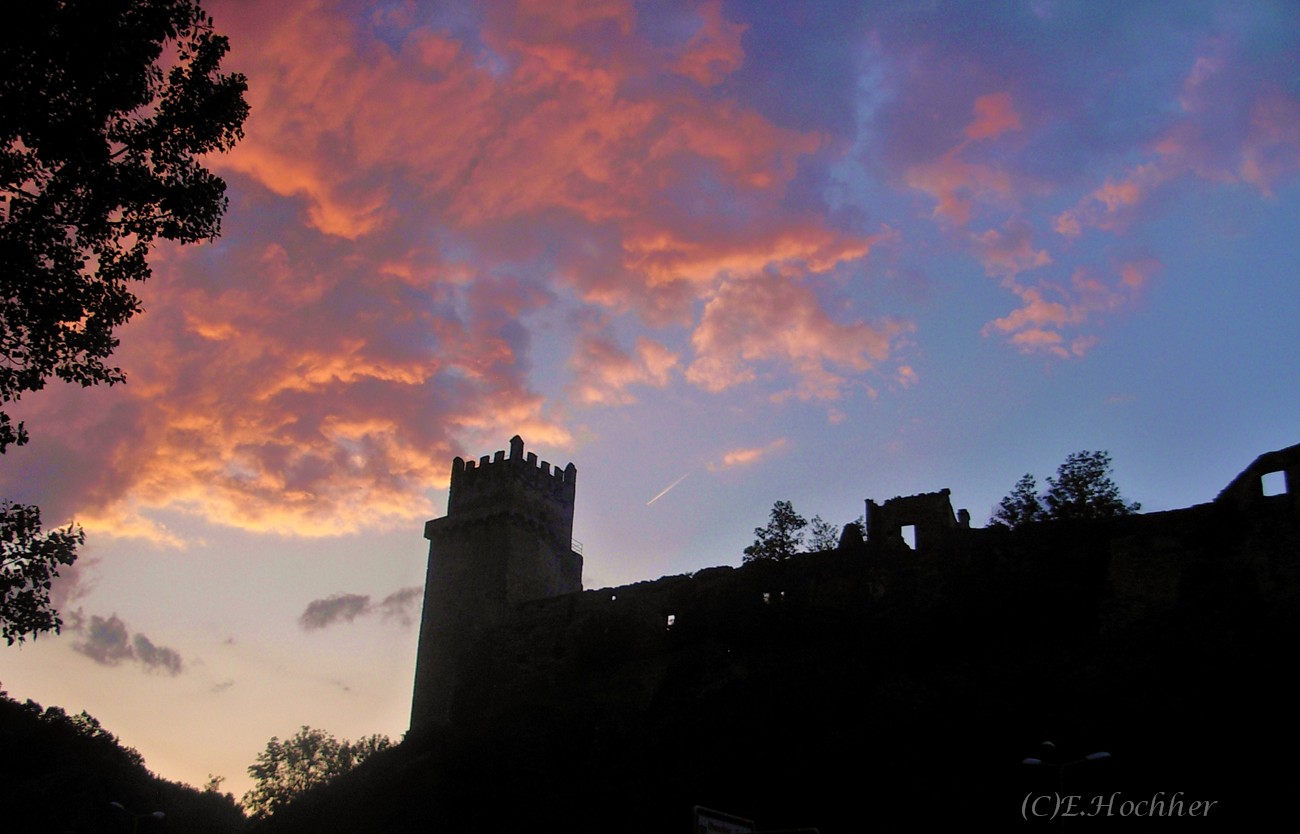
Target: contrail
665	492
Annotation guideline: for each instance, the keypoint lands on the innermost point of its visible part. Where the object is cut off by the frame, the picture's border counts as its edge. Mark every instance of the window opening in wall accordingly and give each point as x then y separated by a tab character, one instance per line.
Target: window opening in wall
1274	483
767	598
672	618
909	535
613	597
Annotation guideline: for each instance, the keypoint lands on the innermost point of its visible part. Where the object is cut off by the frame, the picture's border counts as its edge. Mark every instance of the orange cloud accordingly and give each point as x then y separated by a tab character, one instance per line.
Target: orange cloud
994	116
746	456
774	319
1048	310
714	51
364	317
1108	206
956	183
603	371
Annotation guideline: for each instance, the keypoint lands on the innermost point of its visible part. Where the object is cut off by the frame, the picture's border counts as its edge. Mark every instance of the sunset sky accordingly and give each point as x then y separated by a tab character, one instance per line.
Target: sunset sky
752	251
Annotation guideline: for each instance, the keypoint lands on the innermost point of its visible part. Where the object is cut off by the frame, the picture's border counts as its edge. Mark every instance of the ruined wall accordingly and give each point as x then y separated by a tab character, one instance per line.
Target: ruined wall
930	514
614	651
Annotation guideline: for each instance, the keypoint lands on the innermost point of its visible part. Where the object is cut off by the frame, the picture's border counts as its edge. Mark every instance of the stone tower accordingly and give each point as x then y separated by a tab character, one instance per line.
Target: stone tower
507	538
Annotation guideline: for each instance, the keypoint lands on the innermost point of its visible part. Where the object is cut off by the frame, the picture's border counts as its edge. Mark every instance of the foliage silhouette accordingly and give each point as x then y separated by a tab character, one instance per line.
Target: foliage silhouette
822	535
287	769
781	538
1022	506
106	108
61	772
29	561
1082	489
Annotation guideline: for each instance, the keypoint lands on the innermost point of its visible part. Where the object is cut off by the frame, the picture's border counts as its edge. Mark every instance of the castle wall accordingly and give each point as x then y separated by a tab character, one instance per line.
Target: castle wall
1213	569
506	628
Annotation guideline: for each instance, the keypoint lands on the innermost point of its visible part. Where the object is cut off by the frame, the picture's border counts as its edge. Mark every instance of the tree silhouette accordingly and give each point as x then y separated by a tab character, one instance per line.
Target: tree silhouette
822	535
106	108
1082	489
781	538
29	561
1022	506
287	769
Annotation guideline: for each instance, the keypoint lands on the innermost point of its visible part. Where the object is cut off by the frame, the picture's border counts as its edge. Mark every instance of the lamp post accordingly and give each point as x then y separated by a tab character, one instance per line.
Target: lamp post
135	818
1049	747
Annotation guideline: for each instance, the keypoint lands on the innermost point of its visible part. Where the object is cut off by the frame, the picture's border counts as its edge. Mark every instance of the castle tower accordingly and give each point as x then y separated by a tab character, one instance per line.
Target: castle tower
507	538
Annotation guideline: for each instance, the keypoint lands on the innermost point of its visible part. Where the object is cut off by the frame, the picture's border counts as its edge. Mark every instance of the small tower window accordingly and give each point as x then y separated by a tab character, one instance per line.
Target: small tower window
1273	483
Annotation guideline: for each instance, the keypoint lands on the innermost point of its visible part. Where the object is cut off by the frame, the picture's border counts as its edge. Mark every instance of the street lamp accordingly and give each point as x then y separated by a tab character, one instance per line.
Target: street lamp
135	818
1049	747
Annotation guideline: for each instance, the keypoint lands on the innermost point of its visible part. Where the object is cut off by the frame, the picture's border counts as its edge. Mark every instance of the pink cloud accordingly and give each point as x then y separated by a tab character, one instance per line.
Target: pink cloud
994	115
957	184
773	319
714	51
603	371
1005	254
1110	205
364	317
748	455
1272	148
1049	310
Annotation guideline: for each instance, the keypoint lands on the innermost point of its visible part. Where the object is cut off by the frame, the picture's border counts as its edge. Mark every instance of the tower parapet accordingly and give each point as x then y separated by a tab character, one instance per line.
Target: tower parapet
516	485
507	538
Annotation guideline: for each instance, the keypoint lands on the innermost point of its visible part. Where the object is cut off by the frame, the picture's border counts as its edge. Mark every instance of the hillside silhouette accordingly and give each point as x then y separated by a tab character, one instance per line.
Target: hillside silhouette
61	772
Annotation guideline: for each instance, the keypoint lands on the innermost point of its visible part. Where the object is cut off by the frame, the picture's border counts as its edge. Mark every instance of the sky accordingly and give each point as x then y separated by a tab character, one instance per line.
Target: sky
716	254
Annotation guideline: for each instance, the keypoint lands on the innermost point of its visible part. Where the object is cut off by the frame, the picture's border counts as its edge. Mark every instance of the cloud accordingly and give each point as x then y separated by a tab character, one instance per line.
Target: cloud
1007	253
746	456
156	658
957	184
345	608
603	371
402	605
994	115
714	51
73	583
1048	310
107	642
420	195
411	191
775	319
337	608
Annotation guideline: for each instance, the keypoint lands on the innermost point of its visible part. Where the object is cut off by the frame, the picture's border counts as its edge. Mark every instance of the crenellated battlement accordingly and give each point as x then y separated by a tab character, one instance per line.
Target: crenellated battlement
518	485
493	477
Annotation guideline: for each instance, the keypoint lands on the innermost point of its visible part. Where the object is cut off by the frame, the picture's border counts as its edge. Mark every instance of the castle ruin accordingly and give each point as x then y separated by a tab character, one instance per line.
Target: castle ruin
506	622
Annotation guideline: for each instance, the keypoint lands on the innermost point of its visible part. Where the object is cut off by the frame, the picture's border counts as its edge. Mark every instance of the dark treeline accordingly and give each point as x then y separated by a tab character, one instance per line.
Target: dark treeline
61	772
